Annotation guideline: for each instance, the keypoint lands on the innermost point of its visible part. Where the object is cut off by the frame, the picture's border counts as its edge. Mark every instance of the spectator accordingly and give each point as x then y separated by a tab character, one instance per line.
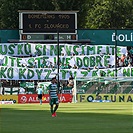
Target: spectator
120	63
35	64
129	65
131	51
123	57
69	66
131	54
66	66
55	65
95	68
21	90
71	81
75	67
43	65
50	65
61	66
127	61
24	65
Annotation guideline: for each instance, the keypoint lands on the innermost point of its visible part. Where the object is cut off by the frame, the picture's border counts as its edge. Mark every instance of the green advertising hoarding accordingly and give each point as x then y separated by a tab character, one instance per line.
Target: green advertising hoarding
96	36
105	97
107	37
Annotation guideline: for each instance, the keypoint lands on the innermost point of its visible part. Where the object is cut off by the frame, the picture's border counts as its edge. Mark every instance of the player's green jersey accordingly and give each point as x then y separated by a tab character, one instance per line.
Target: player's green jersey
53	90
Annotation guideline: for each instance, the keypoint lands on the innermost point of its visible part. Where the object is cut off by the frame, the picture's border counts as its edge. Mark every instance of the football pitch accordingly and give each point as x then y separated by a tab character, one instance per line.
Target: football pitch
71	118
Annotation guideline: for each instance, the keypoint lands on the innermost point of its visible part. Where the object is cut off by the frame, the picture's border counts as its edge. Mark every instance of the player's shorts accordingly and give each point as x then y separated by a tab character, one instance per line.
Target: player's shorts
54	101
39	96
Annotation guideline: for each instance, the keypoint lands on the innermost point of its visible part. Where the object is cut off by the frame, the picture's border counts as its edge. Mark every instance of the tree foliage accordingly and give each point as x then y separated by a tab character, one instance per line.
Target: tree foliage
91	13
110	14
9	10
9	17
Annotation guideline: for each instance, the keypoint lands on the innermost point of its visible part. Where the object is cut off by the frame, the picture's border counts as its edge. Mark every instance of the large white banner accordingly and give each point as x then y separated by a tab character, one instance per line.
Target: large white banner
30	61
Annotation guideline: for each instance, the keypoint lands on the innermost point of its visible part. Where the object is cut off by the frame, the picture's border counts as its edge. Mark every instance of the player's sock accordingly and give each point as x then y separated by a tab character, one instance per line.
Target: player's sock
40	102
51	108
56	107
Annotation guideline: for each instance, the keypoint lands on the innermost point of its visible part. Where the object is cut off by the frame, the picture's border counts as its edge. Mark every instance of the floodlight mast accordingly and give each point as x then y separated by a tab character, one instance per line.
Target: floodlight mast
116	54
58	55
58	63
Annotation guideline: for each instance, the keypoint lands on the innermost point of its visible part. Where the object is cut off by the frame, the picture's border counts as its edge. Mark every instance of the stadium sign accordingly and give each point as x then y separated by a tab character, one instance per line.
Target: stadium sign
13	98
122	37
47	21
105	97
45	25
33	98
110	37
6	102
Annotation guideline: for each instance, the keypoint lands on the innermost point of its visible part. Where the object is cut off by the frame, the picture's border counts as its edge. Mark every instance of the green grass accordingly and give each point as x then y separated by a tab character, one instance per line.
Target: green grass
72	118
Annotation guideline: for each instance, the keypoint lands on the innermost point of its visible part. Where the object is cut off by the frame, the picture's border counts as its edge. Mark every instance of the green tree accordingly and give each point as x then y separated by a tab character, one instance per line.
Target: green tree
9	16
81	6
110	14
